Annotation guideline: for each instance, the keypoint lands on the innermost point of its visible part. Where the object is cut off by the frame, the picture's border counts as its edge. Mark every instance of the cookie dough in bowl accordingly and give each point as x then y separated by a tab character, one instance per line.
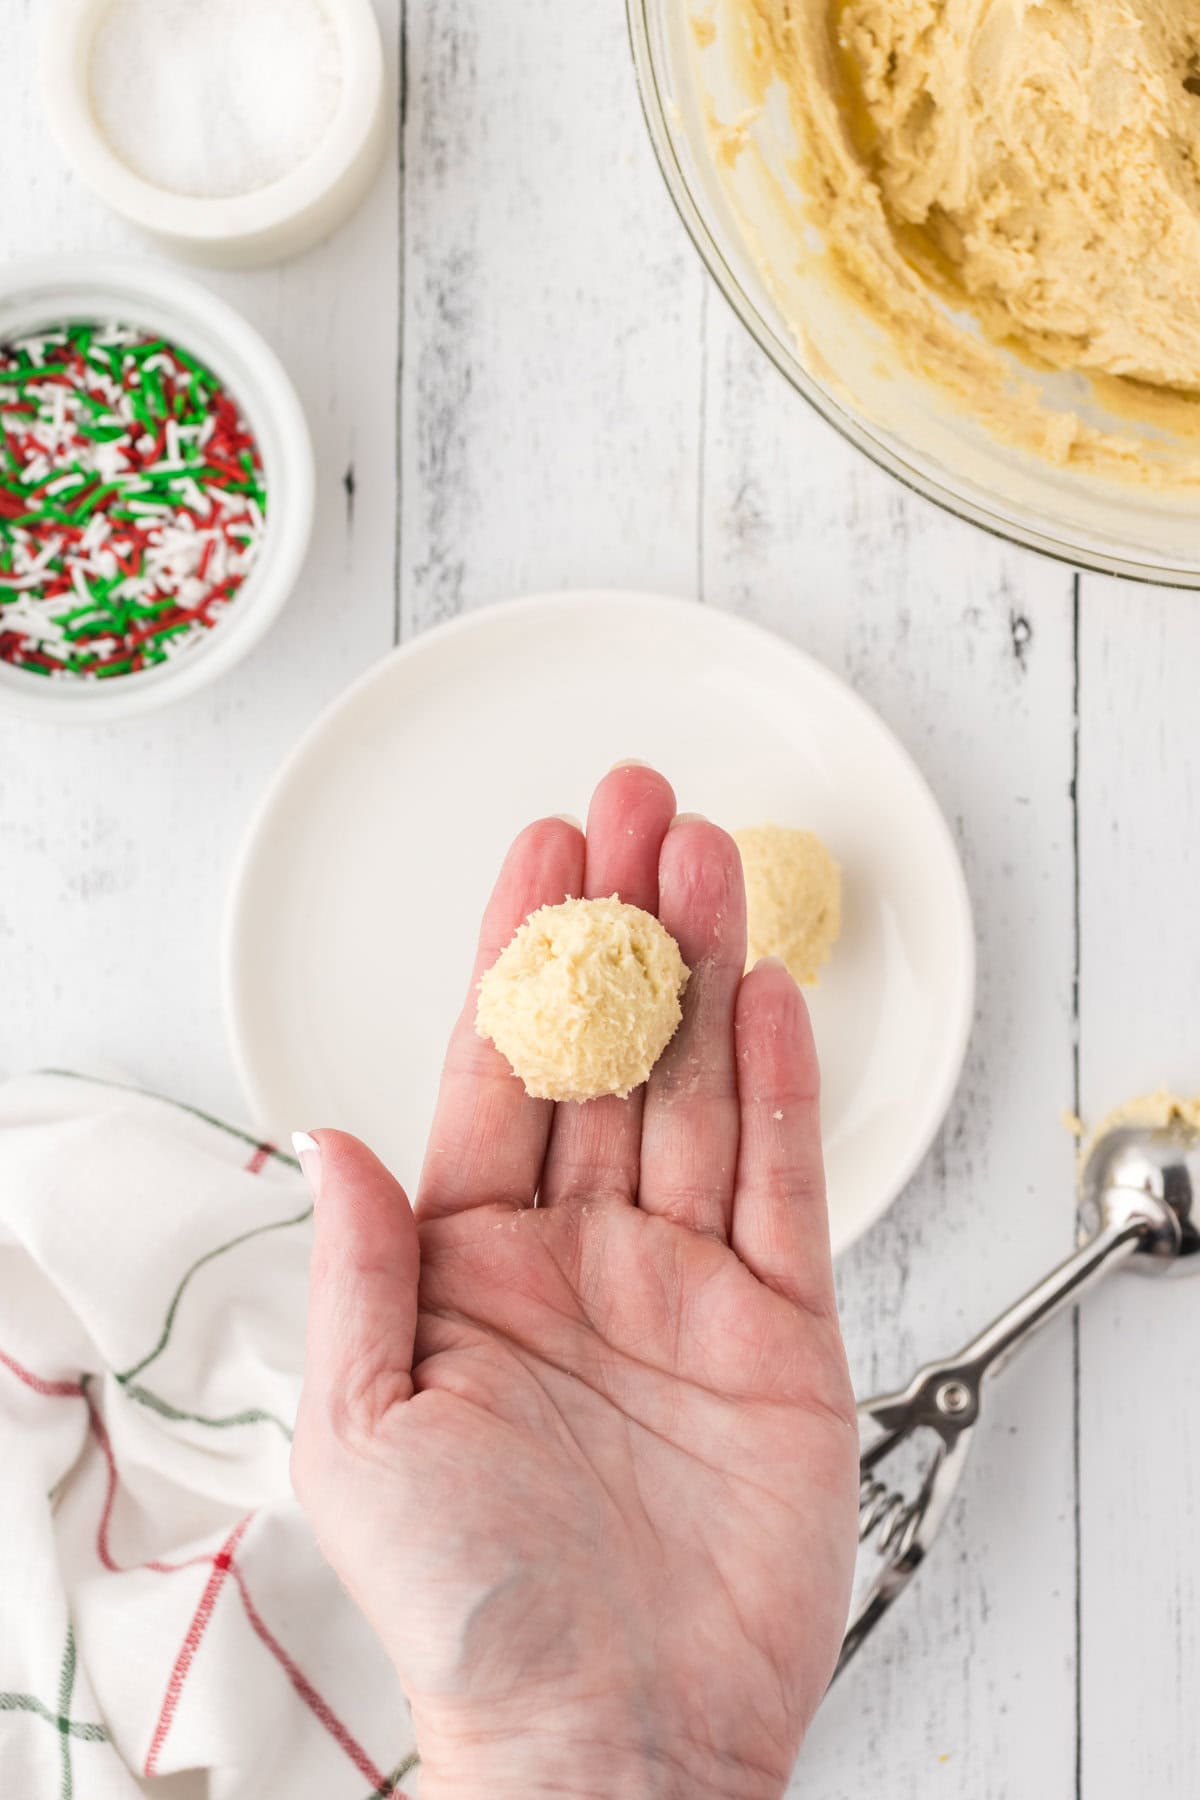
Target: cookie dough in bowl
1026	170
968	231
584	999
1038	161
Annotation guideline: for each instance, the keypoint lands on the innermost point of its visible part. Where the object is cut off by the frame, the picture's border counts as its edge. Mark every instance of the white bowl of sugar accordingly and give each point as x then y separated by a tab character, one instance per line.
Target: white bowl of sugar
234	132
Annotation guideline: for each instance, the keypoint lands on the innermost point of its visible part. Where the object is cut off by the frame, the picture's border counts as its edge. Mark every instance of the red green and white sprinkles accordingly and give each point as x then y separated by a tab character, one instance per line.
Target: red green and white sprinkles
132	501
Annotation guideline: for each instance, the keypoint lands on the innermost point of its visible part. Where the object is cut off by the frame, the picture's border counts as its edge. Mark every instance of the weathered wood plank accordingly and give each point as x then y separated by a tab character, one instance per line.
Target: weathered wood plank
1139	790
964	646
551	332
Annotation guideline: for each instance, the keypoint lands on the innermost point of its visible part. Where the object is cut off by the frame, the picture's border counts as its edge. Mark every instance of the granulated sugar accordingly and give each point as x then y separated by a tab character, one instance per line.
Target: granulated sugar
214	98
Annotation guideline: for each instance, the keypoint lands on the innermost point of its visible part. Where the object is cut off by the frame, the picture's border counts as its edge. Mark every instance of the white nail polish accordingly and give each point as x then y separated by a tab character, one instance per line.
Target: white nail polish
308	1154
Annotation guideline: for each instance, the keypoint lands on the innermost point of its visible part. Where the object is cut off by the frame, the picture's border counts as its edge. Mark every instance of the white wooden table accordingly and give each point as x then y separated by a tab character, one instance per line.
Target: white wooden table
519	378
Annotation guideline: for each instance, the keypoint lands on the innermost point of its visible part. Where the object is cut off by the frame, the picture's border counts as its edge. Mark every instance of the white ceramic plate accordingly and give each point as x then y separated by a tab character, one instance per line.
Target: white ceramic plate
354	909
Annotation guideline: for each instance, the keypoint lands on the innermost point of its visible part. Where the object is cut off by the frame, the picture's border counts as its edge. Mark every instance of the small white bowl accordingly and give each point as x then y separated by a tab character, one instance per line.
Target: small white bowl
265	226
56	290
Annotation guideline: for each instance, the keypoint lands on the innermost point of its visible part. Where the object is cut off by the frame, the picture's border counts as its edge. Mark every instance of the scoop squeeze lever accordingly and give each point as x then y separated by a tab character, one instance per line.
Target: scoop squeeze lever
1140	1209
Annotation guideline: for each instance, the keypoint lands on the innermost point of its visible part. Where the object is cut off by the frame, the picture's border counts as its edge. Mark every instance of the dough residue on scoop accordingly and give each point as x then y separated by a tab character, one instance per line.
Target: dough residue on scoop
793	898
584	999
1154	1112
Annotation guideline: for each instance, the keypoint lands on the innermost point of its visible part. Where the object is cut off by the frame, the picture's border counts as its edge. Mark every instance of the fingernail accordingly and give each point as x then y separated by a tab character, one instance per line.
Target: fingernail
308	1154
569	819
629	762
687	819
770	962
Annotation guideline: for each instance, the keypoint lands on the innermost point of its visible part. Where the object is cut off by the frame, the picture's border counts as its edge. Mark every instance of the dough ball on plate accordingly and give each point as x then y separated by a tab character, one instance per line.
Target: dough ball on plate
793	898
584	999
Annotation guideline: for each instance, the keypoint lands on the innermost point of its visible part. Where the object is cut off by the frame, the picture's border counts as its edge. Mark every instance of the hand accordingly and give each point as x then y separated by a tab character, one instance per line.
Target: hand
590	1467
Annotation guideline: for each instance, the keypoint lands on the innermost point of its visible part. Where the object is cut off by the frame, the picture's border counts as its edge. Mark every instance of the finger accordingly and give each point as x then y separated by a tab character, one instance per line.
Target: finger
488	1139
594	1148
362	1303
690	1124
780	1225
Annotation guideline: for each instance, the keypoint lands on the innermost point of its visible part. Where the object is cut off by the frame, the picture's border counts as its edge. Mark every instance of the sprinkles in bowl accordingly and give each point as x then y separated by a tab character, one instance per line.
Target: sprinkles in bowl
132	501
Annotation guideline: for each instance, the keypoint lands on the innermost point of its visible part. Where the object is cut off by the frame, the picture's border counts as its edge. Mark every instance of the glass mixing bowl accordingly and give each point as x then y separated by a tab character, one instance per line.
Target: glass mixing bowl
839	359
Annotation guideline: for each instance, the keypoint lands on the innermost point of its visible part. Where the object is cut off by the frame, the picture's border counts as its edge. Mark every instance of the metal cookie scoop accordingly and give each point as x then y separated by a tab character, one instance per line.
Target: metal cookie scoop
1140	1206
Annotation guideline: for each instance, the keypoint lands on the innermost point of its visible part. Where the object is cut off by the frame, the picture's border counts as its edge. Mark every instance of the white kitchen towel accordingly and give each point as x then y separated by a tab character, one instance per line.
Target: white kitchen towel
163	1607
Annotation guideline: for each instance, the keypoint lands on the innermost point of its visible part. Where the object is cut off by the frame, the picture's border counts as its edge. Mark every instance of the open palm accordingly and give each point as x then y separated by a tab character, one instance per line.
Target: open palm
590	1466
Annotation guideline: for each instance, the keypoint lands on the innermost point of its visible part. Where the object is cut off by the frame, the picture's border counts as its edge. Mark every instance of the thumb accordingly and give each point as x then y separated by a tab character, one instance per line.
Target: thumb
362	1302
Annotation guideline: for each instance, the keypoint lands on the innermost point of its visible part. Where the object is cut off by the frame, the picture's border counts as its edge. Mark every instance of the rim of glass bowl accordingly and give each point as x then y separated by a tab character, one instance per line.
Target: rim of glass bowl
993	519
